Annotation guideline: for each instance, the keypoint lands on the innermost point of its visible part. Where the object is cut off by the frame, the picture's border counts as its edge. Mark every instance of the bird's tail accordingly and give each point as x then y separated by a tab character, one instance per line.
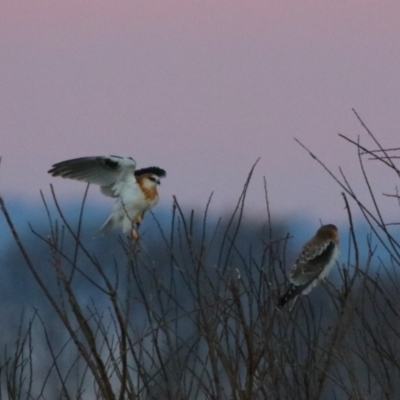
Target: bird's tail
292	293
106	227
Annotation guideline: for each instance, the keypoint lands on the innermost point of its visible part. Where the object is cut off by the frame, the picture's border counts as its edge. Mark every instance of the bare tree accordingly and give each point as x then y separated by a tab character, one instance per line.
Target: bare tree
197	319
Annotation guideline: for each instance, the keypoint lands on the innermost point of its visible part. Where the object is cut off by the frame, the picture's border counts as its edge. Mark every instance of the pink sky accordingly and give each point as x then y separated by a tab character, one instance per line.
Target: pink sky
202	89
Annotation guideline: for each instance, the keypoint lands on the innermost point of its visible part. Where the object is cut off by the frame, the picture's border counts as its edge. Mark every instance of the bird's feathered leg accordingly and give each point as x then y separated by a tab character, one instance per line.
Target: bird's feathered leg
135	227
134	234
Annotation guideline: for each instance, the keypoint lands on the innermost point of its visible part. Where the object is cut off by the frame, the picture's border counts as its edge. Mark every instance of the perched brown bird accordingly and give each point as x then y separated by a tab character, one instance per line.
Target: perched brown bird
135	190
313	264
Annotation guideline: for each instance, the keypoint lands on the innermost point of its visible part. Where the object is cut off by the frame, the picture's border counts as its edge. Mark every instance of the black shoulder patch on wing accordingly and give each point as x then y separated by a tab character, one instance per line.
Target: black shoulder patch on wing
110	163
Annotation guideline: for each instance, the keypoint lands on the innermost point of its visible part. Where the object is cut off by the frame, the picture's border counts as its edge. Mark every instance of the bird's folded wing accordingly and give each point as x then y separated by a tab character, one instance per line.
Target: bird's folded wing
311	262
104	171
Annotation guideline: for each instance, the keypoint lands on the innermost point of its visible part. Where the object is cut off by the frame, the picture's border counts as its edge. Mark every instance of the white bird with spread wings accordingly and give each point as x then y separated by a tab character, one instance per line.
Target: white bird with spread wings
135	190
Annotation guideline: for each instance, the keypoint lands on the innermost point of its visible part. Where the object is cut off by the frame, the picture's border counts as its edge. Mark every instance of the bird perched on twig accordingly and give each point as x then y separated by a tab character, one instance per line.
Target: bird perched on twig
136	190
313	264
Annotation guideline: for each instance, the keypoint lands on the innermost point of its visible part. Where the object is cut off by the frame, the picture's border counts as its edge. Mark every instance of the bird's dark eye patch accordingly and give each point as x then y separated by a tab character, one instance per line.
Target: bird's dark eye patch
152	178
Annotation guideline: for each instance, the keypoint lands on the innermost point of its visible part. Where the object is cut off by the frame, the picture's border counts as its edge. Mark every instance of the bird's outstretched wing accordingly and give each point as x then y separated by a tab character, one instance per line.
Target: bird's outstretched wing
111	173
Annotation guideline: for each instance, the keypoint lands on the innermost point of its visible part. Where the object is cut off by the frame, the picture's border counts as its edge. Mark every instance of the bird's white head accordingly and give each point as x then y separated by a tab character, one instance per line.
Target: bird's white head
149	178
150	181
